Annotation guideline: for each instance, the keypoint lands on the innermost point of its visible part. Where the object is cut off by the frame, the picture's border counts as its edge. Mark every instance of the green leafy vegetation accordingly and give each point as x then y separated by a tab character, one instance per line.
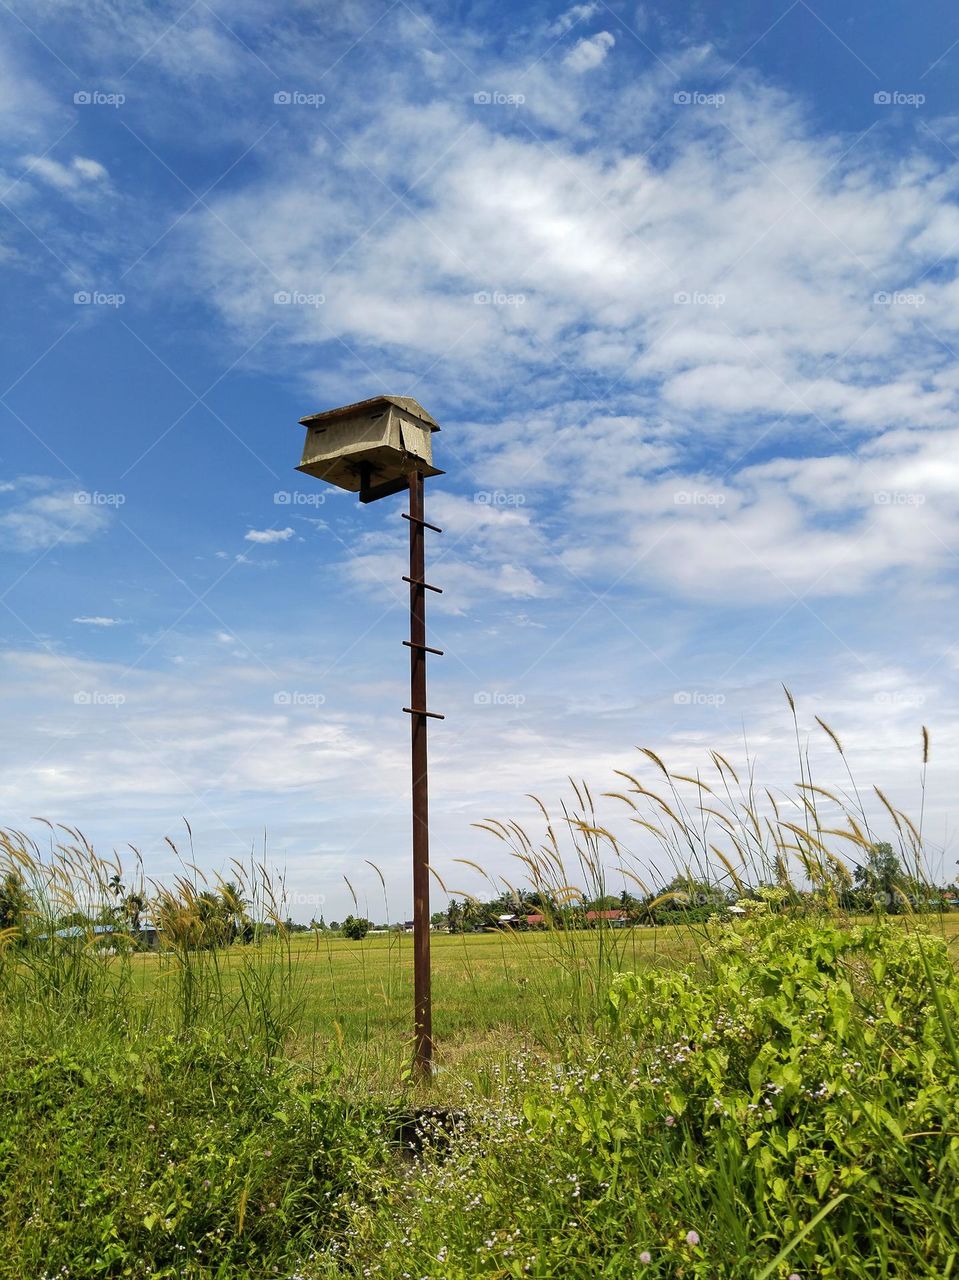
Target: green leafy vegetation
789	1106
747	1066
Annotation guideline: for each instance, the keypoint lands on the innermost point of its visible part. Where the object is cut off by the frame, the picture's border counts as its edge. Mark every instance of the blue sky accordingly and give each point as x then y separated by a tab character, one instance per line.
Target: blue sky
679	283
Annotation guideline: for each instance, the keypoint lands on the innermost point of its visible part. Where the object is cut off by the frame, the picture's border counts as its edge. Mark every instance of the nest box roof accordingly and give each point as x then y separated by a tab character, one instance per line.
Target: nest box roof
406	403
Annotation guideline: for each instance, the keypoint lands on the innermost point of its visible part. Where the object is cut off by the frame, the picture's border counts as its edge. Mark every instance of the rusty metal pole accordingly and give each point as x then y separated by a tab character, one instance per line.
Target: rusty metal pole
422	995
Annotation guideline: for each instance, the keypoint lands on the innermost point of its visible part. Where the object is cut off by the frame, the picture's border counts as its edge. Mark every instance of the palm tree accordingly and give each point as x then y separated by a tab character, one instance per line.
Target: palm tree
134	905
473	913
233	905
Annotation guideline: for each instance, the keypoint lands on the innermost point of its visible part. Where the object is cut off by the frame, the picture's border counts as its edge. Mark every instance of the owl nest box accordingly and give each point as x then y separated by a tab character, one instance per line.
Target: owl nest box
370	445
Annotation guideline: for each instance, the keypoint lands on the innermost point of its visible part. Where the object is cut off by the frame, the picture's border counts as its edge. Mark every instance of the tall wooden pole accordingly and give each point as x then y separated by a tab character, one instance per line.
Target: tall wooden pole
421	820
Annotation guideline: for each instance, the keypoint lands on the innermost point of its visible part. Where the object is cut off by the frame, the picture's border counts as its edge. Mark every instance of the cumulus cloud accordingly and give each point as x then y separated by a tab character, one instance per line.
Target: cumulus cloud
709	379
754	290
588	53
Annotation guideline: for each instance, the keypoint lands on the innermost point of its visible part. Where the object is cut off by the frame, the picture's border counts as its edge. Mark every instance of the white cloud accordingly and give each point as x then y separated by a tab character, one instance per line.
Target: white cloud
718	295
582	413
578	13
27	108
66	177
49	519
266	536
98	621
588	53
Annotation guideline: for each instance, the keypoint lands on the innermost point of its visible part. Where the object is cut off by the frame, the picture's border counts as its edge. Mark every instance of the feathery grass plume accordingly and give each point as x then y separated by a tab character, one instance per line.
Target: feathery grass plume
696	782
913	829
733	874
722	764
889	808
925	745
709	812
468	862
857	831
588	828
521	836
489	826
816	790
855	837
840	869
438	878
619	795
379	873
831	734
658	832
636	879
753	821
651	755
352	893
802	834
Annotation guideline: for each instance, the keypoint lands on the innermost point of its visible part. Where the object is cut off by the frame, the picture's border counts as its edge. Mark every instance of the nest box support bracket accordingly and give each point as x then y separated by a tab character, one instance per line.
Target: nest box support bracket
370	492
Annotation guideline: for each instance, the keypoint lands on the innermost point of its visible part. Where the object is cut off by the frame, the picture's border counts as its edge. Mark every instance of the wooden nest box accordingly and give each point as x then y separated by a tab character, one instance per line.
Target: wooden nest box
370	447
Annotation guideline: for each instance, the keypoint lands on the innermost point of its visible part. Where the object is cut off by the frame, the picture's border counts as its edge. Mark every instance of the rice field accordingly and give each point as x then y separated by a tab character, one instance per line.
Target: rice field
494	994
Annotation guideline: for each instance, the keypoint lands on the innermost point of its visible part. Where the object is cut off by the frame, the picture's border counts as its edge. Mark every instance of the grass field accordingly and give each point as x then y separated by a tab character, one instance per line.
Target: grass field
769	1098
493	994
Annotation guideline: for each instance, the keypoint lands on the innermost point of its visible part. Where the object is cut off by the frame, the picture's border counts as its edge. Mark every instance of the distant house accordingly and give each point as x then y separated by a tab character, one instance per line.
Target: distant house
503	922
618	919
592	919
148	935
79	931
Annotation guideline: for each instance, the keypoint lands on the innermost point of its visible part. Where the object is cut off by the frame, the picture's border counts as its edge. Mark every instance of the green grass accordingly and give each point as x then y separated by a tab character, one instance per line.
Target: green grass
771	1098
789	1106
251	1126
492	993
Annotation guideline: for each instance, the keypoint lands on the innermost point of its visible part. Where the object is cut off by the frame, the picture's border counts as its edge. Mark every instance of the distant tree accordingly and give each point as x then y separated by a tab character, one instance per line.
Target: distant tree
437	919
604	903
355	927
233	907
454	917
534	900
335	926
633	907
881	880
134	905
472	914
15	901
